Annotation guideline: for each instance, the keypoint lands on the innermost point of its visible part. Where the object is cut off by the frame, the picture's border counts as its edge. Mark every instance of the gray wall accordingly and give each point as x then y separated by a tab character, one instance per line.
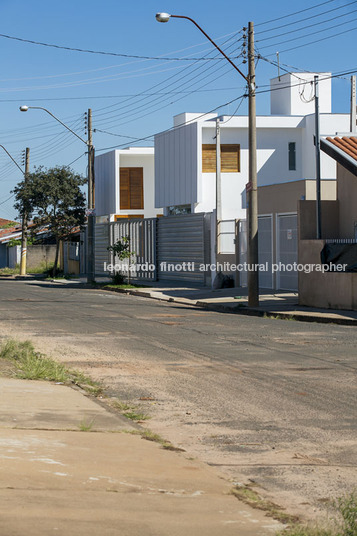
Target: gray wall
40	255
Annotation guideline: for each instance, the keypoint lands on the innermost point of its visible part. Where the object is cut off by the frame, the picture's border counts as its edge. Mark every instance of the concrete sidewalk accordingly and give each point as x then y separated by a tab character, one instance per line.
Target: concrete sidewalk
234	300
58	479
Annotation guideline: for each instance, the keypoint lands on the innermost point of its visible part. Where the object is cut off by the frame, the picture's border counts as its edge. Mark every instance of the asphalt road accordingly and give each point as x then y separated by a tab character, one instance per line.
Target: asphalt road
270	402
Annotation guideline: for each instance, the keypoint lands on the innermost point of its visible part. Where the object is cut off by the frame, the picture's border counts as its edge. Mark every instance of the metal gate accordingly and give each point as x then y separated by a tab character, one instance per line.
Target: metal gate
287	253
142	240
183	246
265	251
101	243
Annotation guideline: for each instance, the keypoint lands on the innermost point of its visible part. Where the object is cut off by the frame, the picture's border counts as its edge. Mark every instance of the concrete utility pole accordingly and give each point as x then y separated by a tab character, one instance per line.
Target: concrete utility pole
318	159
91	215
218	186
353	104
24	220
252	191
252	194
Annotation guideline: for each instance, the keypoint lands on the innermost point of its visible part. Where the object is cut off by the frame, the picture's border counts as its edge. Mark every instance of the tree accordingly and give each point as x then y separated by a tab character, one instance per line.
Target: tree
55	199
121	249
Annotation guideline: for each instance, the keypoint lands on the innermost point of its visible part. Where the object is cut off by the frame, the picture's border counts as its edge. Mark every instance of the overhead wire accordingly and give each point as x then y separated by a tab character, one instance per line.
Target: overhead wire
307	35
295	13
289	32
145	101
303	19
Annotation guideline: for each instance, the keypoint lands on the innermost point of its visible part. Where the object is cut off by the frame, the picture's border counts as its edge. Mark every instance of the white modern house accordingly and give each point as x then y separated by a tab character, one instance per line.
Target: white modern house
185	178
185	171
124	184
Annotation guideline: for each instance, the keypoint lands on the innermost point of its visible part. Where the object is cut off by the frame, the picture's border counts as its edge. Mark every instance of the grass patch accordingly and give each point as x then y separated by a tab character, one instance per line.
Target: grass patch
28	364
148	435
130	411
343	524
249	496
86	426
135	416
10	271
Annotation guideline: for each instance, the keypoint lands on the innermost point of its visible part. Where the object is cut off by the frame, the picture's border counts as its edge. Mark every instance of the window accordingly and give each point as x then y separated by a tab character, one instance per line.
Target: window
292	156
179	209
131	189
230	158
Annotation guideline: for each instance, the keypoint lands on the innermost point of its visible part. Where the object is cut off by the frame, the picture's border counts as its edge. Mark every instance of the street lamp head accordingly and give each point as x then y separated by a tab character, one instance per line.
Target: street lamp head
162	17
24	108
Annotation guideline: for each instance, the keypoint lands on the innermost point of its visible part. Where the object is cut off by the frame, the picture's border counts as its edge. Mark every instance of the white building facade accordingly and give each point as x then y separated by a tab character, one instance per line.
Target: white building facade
124	184
185	178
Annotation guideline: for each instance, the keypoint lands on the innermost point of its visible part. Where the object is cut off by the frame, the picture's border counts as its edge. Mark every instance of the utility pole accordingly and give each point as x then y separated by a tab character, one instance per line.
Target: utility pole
353	104
24	220
318	159
252	191
91	215
218	186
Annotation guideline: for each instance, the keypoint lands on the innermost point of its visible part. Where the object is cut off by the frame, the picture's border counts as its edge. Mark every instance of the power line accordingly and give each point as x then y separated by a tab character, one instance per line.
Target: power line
307	18
114	134
305	27
295	13
177	126
88	51
316	41
306	35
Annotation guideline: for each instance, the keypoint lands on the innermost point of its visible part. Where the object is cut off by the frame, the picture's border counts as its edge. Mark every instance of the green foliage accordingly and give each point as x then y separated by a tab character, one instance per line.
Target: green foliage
32	365
118	279
121	249
347	507
54	195
8	225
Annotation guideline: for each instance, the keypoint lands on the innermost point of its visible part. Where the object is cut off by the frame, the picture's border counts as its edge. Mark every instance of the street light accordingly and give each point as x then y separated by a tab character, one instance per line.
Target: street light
252	193
90	258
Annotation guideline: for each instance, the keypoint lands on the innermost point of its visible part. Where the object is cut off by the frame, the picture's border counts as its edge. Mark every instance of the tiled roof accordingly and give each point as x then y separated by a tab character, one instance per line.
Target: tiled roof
343	150
348	144
6	222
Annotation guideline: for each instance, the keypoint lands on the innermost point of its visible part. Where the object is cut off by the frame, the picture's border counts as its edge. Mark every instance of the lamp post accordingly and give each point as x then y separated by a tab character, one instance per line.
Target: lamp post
252	194
91	216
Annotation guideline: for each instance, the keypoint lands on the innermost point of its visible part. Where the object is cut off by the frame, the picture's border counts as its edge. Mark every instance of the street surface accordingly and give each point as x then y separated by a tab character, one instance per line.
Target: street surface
267	402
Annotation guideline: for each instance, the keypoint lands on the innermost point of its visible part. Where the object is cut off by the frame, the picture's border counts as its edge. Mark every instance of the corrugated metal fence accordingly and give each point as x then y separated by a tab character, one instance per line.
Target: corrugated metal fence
168	248
181	240
142	243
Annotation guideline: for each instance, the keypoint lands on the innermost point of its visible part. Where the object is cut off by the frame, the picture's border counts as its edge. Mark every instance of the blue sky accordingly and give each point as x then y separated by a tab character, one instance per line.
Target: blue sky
136	97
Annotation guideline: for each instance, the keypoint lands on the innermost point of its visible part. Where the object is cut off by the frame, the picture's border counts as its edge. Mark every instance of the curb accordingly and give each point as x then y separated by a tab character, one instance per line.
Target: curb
246	311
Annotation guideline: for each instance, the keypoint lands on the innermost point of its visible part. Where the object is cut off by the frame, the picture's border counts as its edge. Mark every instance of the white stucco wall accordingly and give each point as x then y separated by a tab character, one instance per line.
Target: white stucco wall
105	185
291	91
176	166
107	180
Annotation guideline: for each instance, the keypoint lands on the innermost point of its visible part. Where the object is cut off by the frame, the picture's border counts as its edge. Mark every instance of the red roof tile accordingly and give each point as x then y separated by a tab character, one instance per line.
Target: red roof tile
347	144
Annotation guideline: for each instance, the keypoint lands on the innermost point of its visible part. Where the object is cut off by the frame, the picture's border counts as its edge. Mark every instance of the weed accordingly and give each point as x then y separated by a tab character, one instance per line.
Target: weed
347	508
32	365
344	525
86	426
134	416
251	497
156	438
121	406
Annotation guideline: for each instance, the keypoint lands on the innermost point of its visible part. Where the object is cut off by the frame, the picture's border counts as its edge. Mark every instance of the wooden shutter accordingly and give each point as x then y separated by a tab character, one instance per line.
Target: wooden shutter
136	188
230	158
208	158
124	189
131	188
